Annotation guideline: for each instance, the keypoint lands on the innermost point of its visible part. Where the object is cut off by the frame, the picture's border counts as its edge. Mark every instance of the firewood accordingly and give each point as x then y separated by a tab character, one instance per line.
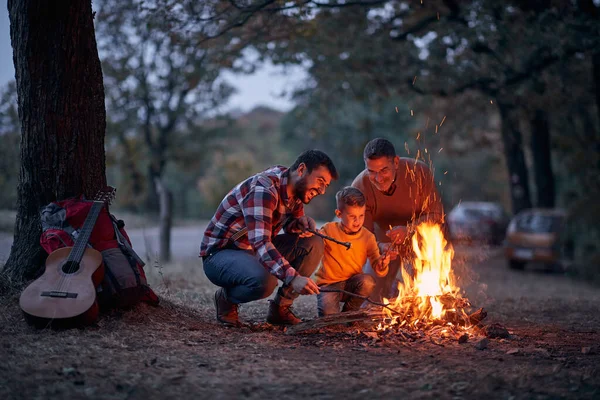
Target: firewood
477	316
342	318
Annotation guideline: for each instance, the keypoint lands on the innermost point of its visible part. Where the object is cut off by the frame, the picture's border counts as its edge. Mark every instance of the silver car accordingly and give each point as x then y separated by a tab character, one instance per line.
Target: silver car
478	221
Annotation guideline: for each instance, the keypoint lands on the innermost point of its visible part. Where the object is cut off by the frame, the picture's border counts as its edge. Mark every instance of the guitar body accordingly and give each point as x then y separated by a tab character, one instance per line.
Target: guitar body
64	296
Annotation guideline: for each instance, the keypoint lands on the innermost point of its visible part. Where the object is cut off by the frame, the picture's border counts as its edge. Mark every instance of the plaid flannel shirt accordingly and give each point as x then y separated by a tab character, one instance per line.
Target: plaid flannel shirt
260	204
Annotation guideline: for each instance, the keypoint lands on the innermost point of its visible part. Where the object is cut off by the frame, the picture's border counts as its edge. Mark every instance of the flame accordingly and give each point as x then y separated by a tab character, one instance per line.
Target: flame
429	292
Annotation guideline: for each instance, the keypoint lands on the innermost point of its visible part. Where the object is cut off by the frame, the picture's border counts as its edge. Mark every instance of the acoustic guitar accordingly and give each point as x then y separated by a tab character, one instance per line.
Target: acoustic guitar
66	293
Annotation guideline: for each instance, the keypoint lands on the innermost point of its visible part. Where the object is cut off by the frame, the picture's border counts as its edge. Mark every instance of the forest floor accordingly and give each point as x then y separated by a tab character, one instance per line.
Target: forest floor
178	350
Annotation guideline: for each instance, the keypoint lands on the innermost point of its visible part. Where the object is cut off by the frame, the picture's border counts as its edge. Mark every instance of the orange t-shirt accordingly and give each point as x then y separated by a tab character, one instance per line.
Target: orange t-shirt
340	264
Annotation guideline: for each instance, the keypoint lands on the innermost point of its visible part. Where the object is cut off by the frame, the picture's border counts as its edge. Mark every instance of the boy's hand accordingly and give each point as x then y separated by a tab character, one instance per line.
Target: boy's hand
304	285
389	250
301	225
382	265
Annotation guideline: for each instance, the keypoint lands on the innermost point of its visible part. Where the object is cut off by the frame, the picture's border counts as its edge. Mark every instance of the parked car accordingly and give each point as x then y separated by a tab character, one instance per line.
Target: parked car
537	235
477	221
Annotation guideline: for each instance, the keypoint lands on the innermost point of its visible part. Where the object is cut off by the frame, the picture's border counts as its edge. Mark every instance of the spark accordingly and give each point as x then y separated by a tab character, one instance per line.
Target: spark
425	150
427	123
396	108
412	113
491	101
414	80
438	16
406	147
445	172
441	148
418	135
443	119
436	129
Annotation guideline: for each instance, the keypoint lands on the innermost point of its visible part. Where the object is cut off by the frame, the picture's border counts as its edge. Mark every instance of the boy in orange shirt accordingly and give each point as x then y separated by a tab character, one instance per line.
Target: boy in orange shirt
342	268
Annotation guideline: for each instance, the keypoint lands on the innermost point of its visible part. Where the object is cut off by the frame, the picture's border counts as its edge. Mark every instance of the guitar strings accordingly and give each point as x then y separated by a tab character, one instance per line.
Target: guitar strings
77	252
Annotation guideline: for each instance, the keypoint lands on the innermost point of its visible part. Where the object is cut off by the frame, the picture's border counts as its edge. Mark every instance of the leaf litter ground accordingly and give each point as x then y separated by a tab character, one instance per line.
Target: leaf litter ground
178	350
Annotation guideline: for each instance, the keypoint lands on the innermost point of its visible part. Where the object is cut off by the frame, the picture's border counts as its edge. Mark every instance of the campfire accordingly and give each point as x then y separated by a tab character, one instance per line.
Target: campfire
429	305
429	301
427	294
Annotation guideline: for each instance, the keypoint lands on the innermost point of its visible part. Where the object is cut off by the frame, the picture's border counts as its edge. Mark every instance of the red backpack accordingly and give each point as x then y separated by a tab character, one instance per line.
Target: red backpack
124	283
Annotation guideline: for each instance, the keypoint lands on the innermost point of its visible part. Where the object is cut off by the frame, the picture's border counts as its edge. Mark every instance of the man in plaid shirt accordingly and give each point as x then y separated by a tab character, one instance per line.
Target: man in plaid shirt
242	251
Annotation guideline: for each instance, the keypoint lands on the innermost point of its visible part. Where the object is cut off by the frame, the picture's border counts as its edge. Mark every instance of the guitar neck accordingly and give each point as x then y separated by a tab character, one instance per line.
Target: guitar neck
85	233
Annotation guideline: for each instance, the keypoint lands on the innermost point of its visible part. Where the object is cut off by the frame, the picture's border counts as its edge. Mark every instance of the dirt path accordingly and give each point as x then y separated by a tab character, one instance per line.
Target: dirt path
178	351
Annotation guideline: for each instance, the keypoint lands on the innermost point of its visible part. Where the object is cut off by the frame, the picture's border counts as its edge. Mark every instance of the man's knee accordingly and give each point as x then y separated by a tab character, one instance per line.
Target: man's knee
314	245
260	286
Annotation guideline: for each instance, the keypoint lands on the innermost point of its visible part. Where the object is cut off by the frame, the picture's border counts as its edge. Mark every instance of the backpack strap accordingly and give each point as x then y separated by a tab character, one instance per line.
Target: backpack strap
122	240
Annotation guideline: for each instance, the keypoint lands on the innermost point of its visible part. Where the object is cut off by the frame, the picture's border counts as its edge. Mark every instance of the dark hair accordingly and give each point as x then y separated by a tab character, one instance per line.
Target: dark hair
349	196
314	159
378	148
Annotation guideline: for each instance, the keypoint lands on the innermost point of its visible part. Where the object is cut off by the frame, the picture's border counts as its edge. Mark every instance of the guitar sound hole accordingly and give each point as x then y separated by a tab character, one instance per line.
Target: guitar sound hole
70	267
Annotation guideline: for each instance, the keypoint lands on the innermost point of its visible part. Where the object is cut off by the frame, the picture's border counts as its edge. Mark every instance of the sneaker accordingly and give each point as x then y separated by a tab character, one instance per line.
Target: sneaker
281	315
227	312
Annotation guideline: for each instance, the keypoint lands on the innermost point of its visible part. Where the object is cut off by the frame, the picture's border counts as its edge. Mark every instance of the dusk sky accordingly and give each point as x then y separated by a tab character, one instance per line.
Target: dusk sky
260	88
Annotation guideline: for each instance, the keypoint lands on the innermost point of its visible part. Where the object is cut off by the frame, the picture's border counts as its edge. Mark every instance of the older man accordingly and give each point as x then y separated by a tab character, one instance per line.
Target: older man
398	191
242	251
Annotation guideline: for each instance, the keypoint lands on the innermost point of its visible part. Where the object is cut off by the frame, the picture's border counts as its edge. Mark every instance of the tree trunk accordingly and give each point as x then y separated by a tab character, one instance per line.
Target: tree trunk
596	72
152	197
542	159
130	170
165	220
515	159
62	114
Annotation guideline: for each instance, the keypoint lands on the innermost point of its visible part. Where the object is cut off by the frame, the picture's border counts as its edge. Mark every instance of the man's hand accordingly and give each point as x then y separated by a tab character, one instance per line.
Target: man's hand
304	285
301	225
397	233
389	250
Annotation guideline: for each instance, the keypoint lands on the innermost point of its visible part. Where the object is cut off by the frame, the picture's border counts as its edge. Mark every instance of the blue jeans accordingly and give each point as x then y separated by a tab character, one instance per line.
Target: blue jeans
245	279
329	302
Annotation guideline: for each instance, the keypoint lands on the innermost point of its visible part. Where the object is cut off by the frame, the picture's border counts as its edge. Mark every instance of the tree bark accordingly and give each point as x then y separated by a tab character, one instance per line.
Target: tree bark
542	159
596	72
513	152
61	109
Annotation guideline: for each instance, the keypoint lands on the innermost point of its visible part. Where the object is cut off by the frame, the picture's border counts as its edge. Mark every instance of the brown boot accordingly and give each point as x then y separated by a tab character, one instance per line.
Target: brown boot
227	312
281	314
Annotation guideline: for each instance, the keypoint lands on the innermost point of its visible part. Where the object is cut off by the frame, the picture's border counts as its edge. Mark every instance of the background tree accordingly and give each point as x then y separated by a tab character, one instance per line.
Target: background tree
62	115
161	82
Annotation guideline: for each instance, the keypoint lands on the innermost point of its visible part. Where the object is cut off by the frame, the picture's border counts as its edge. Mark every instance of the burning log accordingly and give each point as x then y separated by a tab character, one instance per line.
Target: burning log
450	301
477	316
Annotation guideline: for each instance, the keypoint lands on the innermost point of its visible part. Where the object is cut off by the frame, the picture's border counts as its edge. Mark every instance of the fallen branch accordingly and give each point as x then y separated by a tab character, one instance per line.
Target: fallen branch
329	290
341	318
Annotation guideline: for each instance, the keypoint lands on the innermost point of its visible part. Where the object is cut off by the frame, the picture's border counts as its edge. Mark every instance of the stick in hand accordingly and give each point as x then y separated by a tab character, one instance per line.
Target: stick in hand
345	244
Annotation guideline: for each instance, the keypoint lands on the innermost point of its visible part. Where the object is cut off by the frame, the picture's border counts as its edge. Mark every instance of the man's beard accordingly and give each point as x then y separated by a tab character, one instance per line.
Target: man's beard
300	189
